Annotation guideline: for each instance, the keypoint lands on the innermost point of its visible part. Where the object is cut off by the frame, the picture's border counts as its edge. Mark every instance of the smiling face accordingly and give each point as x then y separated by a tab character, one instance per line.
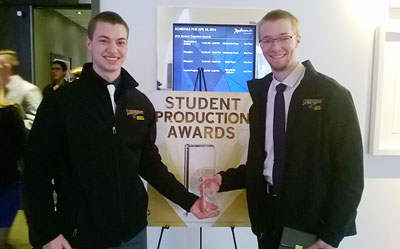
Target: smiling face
280	53
109	47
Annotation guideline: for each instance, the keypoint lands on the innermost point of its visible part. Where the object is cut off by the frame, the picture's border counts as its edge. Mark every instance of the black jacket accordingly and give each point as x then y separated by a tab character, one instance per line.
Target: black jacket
323	177
96	161
49	89
12	137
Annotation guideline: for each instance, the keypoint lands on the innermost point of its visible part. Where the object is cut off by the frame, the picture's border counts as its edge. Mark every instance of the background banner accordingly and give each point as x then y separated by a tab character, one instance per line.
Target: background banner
200	134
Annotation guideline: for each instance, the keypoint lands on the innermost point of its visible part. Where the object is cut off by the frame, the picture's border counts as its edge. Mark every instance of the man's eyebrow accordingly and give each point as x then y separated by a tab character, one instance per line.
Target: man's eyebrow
103	36
106	37
284	33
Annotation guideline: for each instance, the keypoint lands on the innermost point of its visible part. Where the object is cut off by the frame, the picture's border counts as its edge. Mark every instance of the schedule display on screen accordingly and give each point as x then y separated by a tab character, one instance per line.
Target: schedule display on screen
225	53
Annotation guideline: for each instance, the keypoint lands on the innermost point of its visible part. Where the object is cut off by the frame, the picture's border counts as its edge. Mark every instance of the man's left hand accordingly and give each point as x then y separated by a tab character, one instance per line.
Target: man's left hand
320	244
203	209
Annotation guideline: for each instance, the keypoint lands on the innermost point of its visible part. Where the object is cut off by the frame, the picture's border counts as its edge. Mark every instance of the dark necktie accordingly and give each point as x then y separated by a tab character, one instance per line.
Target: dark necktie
279	137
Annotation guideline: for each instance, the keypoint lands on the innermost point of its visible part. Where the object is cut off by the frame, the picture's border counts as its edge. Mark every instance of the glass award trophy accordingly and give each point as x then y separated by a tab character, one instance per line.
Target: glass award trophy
199	161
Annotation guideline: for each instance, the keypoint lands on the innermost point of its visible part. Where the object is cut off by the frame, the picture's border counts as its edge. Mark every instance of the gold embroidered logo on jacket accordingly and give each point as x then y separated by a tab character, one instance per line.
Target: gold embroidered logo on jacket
135	114
313	104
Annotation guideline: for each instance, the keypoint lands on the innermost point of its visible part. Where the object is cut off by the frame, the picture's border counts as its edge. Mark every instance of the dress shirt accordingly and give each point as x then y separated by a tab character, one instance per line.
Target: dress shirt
111	87
292	81
25	94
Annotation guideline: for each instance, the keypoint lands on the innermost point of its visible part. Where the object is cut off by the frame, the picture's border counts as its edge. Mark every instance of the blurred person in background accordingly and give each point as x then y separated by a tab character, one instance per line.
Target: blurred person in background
58	73
12	139
75	73
16	89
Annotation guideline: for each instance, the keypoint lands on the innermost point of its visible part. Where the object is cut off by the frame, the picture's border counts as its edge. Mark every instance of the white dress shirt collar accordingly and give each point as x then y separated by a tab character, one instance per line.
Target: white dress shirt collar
292	79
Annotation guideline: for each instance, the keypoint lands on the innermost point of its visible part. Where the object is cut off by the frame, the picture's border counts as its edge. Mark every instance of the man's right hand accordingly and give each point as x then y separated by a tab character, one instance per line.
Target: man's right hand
58	243
209	185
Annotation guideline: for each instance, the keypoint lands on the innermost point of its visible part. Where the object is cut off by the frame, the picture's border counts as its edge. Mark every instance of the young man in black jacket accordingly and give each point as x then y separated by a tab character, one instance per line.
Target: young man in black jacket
96	138
58	72
304	168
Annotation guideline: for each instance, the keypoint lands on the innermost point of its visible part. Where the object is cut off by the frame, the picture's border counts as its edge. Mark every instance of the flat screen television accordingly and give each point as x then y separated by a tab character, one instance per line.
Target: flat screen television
224	55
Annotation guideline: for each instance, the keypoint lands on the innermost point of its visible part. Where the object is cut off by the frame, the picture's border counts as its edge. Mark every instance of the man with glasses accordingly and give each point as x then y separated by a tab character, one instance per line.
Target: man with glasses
58	73
304	168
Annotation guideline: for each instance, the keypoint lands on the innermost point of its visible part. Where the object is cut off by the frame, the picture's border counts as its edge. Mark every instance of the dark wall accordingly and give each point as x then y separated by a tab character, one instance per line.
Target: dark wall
15	34
70	43
15	31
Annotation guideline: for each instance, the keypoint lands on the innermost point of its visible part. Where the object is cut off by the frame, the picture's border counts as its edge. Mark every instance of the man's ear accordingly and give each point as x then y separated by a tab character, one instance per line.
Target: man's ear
298	39
89	43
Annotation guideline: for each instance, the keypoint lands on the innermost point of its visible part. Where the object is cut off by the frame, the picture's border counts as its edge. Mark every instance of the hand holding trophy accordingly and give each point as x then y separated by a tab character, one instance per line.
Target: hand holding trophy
203	209
209	185
205	206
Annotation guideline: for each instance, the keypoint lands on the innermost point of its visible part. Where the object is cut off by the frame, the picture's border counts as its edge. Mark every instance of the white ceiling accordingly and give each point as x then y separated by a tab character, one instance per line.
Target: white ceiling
73	15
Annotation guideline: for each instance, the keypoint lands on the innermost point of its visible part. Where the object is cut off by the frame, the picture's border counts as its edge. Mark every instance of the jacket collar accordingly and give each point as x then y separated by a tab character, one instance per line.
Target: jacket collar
258	88
127	81
95	97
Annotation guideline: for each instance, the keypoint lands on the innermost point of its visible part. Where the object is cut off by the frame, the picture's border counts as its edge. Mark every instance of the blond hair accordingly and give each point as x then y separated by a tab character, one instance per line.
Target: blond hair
76	70
10	57
280	14
3	101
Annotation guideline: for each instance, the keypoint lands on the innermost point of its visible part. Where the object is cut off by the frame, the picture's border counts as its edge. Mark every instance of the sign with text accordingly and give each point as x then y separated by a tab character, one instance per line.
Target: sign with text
198	135
225	53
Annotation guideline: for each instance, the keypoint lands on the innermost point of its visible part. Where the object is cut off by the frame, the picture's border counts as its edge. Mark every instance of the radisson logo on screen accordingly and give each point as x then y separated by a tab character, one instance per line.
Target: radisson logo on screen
242	30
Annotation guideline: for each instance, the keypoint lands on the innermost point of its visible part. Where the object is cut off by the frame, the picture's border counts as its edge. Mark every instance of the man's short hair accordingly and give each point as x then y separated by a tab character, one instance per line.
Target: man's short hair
62	64
281	14
108	17
11	58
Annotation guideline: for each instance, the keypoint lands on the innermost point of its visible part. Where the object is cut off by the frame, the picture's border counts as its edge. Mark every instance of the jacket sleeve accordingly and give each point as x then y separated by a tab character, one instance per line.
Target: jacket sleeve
346	153
19	133
156	173
233	178
44	142
13	144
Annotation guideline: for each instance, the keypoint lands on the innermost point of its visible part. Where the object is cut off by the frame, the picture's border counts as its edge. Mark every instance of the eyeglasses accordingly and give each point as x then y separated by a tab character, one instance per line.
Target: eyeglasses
56	69
284	39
